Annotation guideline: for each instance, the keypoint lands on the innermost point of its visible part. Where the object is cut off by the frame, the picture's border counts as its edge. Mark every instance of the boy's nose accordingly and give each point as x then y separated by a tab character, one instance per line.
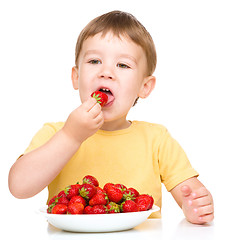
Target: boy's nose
106	73
106	76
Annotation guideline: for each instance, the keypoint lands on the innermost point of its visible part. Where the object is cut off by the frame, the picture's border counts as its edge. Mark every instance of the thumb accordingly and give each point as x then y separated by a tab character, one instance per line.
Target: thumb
89	103
186	190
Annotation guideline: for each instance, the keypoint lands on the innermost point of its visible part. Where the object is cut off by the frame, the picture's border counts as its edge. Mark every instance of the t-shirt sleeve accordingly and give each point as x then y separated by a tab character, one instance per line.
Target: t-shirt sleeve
173	162
41	137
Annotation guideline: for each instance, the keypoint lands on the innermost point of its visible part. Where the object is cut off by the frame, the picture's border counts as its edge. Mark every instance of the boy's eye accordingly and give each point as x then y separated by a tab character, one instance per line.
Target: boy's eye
94	61
121	65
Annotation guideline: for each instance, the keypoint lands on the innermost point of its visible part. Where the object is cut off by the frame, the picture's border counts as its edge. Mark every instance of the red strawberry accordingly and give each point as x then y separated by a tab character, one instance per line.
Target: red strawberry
129	206
61	194
59	209
113	207
100	190
151	200
52	200
72	190
99	199
128	195
107	185
50	207
91	180
134	191
63	200
75	208
88	210
144	202
121	187
114	194
101	97
87	191
51	204
98	209
78	199
60	198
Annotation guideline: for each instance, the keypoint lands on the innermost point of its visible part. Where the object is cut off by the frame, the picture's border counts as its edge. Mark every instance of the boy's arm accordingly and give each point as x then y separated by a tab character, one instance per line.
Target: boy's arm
195	200
35	170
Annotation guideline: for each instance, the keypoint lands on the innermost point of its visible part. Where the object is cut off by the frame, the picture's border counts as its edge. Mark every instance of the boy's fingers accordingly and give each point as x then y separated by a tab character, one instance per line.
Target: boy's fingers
95	110
200	192
100	119
89	103
205	210
206	218
203	201
186	190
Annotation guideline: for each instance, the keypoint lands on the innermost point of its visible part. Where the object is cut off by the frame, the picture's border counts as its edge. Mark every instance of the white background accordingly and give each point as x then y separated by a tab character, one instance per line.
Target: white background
37	52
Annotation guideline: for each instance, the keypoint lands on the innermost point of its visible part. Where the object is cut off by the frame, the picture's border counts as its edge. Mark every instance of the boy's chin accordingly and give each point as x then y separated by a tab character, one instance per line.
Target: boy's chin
112	124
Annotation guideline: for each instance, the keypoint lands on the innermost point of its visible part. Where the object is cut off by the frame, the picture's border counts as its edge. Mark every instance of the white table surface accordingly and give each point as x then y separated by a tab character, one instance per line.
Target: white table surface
21	221
27	224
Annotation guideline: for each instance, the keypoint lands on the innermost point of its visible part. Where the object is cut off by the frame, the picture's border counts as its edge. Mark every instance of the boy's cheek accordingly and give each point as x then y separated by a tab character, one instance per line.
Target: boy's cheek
84	90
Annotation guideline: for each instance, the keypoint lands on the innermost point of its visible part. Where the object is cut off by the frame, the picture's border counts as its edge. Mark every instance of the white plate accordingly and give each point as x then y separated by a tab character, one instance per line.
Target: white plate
97	222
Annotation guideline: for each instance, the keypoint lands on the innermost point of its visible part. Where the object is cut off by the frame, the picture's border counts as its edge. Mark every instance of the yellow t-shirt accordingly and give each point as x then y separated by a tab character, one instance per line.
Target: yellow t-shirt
142	156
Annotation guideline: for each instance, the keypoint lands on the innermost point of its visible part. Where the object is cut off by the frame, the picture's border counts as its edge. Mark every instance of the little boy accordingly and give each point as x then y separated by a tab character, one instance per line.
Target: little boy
114	54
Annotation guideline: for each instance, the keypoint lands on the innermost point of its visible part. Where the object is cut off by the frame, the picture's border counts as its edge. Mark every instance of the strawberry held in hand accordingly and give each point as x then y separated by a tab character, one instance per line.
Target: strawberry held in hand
101	97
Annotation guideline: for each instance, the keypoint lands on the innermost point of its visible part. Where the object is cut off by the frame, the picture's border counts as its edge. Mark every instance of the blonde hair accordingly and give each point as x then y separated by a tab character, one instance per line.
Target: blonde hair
124	24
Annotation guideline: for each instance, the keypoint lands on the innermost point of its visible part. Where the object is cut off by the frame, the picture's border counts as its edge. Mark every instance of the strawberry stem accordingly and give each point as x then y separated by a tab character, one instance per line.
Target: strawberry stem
97	97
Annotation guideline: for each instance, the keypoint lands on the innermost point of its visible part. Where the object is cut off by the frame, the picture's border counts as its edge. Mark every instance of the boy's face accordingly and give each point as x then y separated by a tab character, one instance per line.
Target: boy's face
115	64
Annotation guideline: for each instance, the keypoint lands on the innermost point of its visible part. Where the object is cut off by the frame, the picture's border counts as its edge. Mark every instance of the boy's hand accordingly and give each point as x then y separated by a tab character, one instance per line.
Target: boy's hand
197	205
84	121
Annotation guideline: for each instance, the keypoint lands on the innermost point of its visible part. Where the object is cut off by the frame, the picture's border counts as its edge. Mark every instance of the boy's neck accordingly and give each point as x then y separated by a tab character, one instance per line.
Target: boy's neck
115	125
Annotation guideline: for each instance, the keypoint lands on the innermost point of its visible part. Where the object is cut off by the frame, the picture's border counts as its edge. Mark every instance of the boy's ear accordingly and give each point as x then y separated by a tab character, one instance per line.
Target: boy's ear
74	77
147	86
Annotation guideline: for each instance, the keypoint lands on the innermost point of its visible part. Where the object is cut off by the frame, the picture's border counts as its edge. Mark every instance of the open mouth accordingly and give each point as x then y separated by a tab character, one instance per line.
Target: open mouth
105	90
108	92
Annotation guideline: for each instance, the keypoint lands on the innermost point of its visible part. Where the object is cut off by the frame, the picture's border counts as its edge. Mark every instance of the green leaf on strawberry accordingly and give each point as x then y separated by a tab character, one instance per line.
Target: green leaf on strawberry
101	97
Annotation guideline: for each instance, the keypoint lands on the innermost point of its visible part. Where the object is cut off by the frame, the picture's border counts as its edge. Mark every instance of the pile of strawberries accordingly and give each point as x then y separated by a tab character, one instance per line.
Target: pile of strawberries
89	198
